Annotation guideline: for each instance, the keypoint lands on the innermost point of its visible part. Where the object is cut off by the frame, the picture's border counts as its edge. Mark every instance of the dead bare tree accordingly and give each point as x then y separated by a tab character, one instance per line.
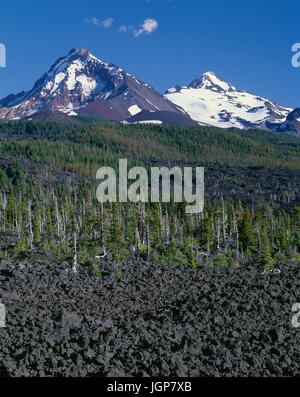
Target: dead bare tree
148	242
74	268
236	232
30	225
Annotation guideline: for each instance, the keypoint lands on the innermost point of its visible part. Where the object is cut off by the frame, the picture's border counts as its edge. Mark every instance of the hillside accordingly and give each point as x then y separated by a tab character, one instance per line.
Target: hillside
201	145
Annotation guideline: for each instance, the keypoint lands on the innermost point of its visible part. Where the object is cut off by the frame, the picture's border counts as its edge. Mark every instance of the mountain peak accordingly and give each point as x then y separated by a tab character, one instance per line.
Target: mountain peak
210	74
211	81
210	100
80	83
85	51
82	51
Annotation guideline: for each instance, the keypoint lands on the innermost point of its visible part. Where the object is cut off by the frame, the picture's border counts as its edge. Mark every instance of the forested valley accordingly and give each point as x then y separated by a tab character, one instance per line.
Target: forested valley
49	212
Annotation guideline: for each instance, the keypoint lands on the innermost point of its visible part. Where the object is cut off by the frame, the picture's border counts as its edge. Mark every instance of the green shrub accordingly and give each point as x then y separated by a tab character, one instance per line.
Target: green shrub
3	178
42	261
46	247
221	261
22	245
58	253
118	273
84	256
95	271
280	255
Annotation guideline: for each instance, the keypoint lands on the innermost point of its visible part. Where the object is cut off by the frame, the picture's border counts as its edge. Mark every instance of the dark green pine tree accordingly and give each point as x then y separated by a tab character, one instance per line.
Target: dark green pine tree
283	241
246	230
58	253
36	227
265	257
297	227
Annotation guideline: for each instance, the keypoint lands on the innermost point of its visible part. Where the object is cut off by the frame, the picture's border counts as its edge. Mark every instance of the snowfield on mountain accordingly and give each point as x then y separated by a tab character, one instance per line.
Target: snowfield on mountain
212	101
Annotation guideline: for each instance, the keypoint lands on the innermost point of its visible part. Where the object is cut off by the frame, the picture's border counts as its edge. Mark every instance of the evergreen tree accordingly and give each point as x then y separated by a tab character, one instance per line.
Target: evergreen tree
246	230
36	227
265	257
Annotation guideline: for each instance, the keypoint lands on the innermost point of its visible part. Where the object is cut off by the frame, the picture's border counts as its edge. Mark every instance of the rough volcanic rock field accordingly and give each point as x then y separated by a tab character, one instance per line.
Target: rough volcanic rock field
151	320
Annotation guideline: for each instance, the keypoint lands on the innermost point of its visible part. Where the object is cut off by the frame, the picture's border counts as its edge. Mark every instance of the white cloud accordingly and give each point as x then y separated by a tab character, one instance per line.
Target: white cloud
93	21
123	28
102	24
107	22
149	26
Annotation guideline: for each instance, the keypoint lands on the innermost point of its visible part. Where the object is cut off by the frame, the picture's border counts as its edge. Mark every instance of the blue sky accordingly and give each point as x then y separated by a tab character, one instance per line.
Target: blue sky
248	43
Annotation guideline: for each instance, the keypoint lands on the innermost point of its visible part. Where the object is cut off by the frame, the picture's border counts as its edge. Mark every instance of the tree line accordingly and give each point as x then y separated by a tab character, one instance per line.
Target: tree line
65	220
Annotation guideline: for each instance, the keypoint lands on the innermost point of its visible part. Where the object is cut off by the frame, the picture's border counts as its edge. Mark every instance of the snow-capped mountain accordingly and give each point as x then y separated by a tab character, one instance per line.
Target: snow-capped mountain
80	83
212	101
291	124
